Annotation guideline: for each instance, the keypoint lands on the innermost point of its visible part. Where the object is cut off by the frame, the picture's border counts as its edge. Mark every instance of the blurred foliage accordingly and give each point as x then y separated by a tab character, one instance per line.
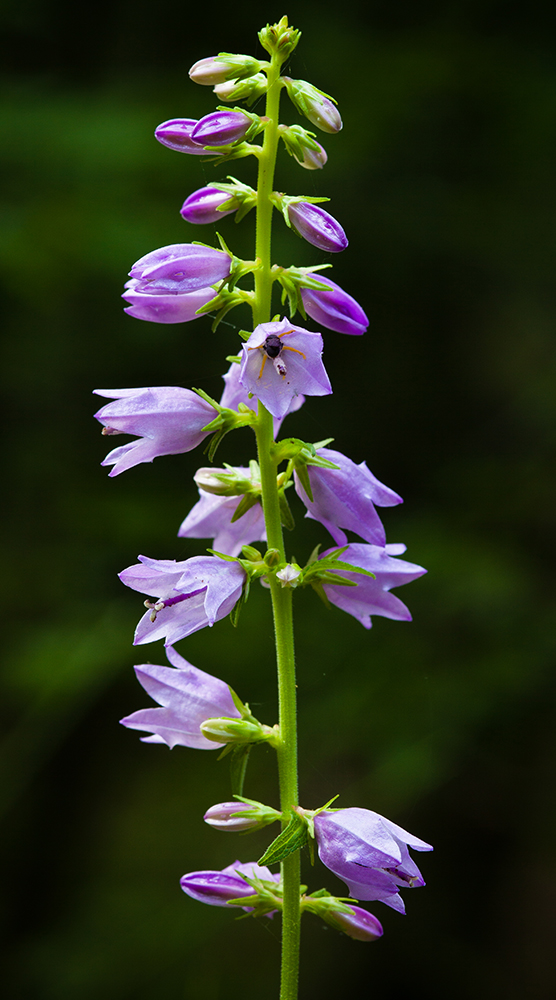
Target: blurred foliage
444	180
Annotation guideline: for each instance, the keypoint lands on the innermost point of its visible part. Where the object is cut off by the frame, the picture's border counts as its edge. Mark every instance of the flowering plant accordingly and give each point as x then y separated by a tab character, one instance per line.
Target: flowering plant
278	365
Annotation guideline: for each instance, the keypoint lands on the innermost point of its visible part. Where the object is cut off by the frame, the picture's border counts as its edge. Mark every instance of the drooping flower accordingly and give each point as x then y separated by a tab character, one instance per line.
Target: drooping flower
211	517
168	420
189	595
279	362
317	226
217	887
176	134
203	206
159	308
346	498
187	696
179	268
372	596
221	128
334	308
369	853
234	394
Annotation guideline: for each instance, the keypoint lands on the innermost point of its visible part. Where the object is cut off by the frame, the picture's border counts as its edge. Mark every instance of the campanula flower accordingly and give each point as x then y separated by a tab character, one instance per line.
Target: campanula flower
221	128
333	308
189	595
180	267
176	134
168	420
187	696
211	517
203	206
346	498
369	853
279	362
217	887
164	308
372	596
317	226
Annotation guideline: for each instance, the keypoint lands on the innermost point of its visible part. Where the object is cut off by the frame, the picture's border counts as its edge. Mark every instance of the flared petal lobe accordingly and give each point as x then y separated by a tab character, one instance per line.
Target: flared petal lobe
211	517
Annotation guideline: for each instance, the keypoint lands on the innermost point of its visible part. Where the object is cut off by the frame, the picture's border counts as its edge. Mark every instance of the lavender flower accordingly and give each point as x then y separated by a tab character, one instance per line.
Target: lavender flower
317	226
316	106
168	420
280	361
176	134
359	924
369	853
234	394
221	128
333	308
160	308
211	517
217	888
203	206
372	597
224	817
189	595
345	498
179	268
188	697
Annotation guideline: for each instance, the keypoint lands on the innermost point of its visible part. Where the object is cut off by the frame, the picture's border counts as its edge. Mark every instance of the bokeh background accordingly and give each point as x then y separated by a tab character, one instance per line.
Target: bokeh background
444	178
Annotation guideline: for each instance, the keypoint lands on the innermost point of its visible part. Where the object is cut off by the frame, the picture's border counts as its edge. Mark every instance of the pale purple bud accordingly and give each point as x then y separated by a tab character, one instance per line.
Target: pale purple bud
314	158
221	128
176	134
303	147
372	596
224	816
369	853
164	308
217	887
317	226
242	90
333	308
315	105
224	66
203	206
187	696
280	361
180	267
359	924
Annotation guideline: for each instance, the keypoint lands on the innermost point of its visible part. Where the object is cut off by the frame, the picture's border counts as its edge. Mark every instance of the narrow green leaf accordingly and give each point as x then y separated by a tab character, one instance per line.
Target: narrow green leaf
238	767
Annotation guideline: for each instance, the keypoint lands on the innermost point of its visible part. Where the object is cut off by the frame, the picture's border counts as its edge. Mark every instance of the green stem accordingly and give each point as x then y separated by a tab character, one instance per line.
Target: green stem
281	596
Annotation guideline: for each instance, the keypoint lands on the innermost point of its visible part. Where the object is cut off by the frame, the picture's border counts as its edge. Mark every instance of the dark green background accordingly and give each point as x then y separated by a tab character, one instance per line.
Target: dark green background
444	178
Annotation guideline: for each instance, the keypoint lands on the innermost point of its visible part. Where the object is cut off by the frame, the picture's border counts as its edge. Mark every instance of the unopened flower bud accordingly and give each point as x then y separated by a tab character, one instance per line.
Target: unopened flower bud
316	106
359	924
317	226
221	128
228	816
303	147
176	134
234	731
334	308
203	206
224	66
228	482
241	90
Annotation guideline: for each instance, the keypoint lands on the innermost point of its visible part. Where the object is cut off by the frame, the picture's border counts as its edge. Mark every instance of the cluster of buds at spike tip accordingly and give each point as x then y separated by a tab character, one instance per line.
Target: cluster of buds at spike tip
314	104
318	227
210	204
241	816
279	38
303	146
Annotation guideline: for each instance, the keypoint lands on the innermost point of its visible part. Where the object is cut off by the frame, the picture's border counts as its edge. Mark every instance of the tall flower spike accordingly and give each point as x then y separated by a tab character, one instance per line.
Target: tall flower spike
371	596
370	854
279	362
346	498
187	696
189	595
168	420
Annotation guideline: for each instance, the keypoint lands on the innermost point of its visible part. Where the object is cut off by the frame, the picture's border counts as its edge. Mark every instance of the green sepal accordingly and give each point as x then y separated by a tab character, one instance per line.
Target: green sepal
247	501
238	767
293	279
292	839
303	475
286	515
238	608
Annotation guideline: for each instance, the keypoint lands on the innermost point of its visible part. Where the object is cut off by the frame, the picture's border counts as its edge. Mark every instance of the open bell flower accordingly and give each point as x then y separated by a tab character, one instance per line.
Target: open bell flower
211	517
346	498
168	420
333	308
179	268
372	596
176	134
187	696
279	362
217	888
317	226
189	595
164	308
369	853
